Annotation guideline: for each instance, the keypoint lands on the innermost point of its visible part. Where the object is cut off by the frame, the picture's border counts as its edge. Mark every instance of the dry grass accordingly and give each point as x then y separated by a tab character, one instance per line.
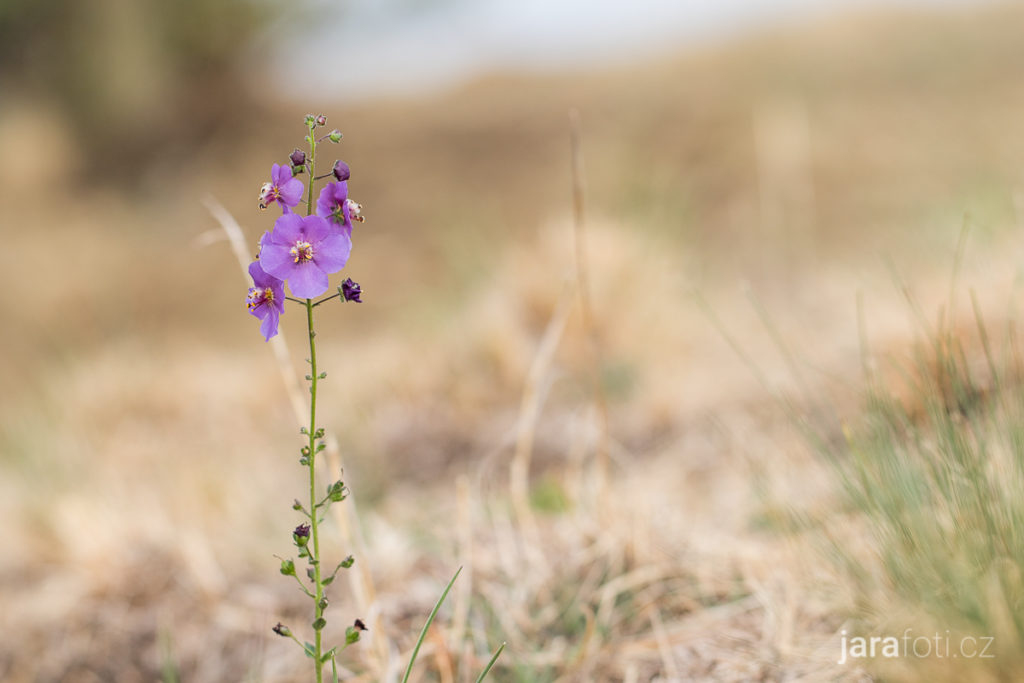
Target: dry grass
147	454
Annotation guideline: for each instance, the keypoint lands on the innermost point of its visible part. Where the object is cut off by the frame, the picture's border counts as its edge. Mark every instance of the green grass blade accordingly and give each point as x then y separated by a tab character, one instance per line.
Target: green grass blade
426	626
487	669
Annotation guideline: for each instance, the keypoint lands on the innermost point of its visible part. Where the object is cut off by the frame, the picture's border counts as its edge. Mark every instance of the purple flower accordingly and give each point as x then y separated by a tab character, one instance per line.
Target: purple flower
282	188
333	205
266	299
350	291
304	250
298	159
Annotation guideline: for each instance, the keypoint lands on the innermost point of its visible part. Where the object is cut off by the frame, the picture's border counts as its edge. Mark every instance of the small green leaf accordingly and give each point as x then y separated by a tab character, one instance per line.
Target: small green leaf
426	626
487	669
310	650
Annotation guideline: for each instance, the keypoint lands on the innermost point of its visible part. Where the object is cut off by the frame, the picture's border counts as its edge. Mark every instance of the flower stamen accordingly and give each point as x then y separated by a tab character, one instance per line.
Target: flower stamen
301	252
354	209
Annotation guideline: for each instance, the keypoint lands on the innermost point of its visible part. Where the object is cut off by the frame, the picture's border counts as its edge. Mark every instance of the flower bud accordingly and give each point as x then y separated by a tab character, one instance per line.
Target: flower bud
341	170
301	535
335	135
287	567
336	492
321	120
282	630
298	158
347	562
319	624
351	635
350	291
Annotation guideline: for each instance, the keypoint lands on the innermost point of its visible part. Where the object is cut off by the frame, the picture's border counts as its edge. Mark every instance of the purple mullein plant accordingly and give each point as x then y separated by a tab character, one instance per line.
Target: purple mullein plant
304	251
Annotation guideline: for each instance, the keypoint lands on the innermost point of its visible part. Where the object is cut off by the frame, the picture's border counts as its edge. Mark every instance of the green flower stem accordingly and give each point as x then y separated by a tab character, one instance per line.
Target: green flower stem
312	167
314	518
326	299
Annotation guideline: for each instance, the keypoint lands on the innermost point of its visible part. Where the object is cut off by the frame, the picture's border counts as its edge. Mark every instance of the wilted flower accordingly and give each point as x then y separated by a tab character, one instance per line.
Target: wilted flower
304	250
298	159
282	188
301	534
350	291
266	299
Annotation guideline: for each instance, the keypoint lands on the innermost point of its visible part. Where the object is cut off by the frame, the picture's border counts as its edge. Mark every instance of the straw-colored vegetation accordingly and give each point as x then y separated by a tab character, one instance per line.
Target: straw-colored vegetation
739	201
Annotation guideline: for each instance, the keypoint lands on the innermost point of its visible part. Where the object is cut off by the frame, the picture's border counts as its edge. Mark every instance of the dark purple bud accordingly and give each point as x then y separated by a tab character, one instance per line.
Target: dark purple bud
350	291
282	630
321	120
298	158
301	535
359	625
341	171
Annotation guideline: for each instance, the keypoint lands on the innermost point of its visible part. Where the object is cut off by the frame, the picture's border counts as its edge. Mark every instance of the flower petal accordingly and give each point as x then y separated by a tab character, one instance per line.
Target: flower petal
291	192
308	281
287	229
276	260
270	322
315	228
279	175
332	253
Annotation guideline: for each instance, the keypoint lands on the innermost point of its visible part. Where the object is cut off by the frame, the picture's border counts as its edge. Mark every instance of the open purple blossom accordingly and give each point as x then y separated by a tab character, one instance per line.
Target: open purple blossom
304	250
266	299
282	188
333	206
350	291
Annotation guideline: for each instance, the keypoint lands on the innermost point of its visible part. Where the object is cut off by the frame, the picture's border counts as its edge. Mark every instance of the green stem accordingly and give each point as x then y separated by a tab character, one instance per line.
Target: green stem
312	168
314	516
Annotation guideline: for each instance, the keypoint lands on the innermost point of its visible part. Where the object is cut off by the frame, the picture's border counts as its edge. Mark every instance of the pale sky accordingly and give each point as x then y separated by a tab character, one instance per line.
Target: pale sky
380	47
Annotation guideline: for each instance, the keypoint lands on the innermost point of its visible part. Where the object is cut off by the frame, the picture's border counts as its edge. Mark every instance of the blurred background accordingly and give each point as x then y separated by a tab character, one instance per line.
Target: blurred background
751	168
